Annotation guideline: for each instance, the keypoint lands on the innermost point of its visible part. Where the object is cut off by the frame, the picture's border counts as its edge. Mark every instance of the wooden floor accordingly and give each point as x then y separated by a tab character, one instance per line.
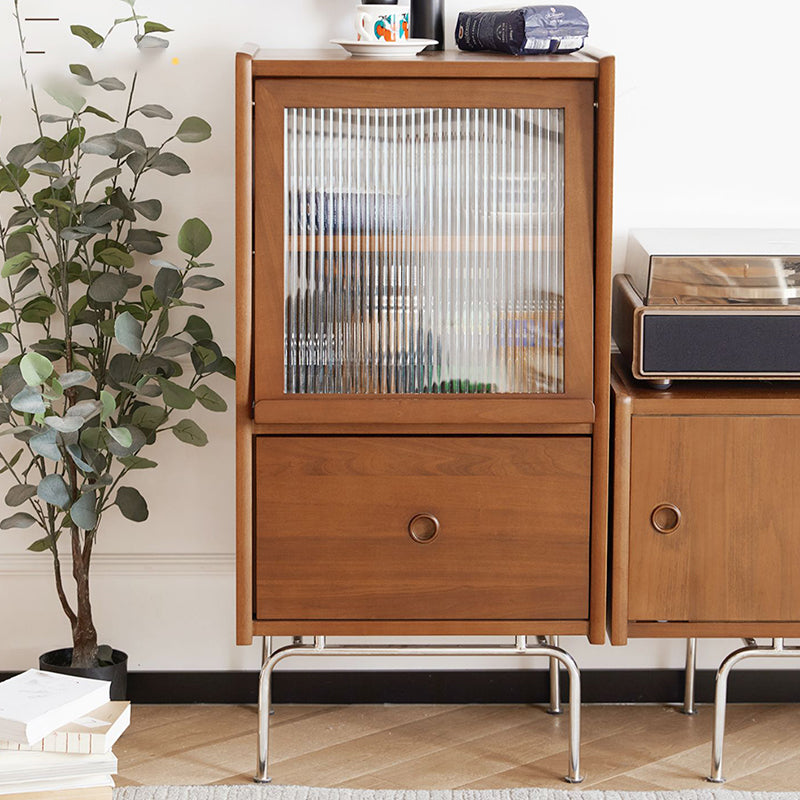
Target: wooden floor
476	747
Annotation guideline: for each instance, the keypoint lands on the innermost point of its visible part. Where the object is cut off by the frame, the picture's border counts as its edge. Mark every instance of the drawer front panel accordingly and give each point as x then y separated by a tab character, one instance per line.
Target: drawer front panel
734	554
333	514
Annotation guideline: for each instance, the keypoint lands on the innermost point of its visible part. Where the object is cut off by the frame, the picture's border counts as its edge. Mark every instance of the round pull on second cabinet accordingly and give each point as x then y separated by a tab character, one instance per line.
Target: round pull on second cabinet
666	518
423	528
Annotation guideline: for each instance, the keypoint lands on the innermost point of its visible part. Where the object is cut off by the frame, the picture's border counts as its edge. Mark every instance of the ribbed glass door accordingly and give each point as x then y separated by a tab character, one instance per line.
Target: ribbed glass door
424	250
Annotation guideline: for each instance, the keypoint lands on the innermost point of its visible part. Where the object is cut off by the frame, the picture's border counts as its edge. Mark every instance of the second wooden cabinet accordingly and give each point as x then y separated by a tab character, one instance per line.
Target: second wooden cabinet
706	509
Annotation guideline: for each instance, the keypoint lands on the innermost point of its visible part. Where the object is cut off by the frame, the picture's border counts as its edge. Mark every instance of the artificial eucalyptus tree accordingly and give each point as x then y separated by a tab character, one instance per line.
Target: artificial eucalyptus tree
104	342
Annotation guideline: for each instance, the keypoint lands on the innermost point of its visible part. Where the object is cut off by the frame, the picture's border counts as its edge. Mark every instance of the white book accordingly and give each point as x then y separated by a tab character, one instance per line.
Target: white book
95	732
17	768
57	786
35	703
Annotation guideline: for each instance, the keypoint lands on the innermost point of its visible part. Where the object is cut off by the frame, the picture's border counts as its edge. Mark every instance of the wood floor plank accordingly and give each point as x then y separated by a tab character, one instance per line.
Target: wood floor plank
624	748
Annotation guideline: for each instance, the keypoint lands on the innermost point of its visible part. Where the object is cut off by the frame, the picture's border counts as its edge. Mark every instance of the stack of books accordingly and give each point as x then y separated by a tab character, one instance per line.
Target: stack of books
56	735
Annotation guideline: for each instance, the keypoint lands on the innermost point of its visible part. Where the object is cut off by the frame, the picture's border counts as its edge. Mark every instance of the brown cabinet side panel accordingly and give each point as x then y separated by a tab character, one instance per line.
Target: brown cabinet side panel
736	553
332	519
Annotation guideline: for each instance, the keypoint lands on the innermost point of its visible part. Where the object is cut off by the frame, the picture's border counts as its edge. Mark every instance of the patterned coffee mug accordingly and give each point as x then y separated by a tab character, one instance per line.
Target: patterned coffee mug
376	23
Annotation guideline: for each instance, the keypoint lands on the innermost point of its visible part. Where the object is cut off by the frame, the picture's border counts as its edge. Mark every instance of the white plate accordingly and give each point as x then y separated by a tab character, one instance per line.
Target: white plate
385	49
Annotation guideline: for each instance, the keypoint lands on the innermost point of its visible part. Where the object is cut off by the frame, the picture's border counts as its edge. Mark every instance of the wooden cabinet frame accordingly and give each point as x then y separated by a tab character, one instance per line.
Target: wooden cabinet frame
734	559
581	84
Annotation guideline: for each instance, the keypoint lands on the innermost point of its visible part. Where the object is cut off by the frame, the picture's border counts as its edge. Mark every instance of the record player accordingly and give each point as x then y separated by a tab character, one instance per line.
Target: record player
710	304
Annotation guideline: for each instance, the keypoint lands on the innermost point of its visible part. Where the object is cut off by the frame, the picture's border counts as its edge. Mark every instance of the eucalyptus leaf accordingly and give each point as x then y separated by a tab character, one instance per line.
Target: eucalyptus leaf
13	178
198	328
35	368
128	332
102	215
172	347
28	401
150	209
44	444
53	490
82	74
16	264
122	436
108	288
190	432
203	282
18	520
111	84
130	137
170	164
76	377
108	405
19	494
105	174
87	34
66	97
193	129
45	168
114	257
154	110
98	113
85	409
68	424
11	380
83	511
77	457
144	241
155	27
209	399
132	505
194	237
3	343
103	145
175	395
166	285
161	264
148	42
21	154
137	462
148	417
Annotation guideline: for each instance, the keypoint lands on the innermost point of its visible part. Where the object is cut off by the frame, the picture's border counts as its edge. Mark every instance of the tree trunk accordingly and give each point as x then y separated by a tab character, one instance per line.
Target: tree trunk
84	634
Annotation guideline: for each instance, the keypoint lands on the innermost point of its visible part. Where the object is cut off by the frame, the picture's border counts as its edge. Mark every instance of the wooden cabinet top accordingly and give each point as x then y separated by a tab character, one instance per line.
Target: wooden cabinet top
704	397
329	63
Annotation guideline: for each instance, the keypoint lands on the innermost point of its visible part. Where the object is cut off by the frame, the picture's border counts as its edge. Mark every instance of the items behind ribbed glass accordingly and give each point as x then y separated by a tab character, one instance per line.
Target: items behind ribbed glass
424	251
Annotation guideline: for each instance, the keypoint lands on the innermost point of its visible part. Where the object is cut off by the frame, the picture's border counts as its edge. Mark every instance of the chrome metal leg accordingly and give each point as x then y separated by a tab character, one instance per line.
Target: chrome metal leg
751	650
320	647
691	665
555	682
266	652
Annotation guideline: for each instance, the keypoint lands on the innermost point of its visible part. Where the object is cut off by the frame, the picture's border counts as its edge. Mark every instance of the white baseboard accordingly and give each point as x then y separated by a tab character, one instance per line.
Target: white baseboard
124	564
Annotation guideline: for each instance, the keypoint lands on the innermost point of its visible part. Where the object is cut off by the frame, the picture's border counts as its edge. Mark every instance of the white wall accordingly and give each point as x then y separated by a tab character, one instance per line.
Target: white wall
706	132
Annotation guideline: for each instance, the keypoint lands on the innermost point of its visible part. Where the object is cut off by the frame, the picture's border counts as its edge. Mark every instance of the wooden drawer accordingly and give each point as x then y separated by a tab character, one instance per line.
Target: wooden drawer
735	555
332	528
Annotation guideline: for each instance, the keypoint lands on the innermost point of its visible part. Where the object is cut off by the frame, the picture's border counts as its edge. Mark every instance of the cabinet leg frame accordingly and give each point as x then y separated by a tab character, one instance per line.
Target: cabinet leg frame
751	650
689	707
520	647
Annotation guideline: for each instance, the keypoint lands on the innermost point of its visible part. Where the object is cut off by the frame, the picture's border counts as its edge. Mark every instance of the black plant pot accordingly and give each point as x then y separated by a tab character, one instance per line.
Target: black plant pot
116	672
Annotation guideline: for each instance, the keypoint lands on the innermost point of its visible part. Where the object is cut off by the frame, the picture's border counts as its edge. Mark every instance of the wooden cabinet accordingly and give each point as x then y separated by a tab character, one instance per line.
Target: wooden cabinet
423	302
705	510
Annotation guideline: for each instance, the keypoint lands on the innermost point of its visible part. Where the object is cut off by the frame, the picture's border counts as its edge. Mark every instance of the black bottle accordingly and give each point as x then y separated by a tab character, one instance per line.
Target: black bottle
427	22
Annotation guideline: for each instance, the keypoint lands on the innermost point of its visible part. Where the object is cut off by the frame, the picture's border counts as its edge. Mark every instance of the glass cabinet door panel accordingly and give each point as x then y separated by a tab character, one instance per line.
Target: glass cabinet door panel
423	250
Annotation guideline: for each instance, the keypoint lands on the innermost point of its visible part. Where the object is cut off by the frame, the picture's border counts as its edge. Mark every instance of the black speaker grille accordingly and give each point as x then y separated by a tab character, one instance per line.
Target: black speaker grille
721	343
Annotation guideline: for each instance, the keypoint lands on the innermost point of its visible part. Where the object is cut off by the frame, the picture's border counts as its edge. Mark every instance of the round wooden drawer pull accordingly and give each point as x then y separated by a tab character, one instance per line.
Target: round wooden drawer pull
423	528
666	518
